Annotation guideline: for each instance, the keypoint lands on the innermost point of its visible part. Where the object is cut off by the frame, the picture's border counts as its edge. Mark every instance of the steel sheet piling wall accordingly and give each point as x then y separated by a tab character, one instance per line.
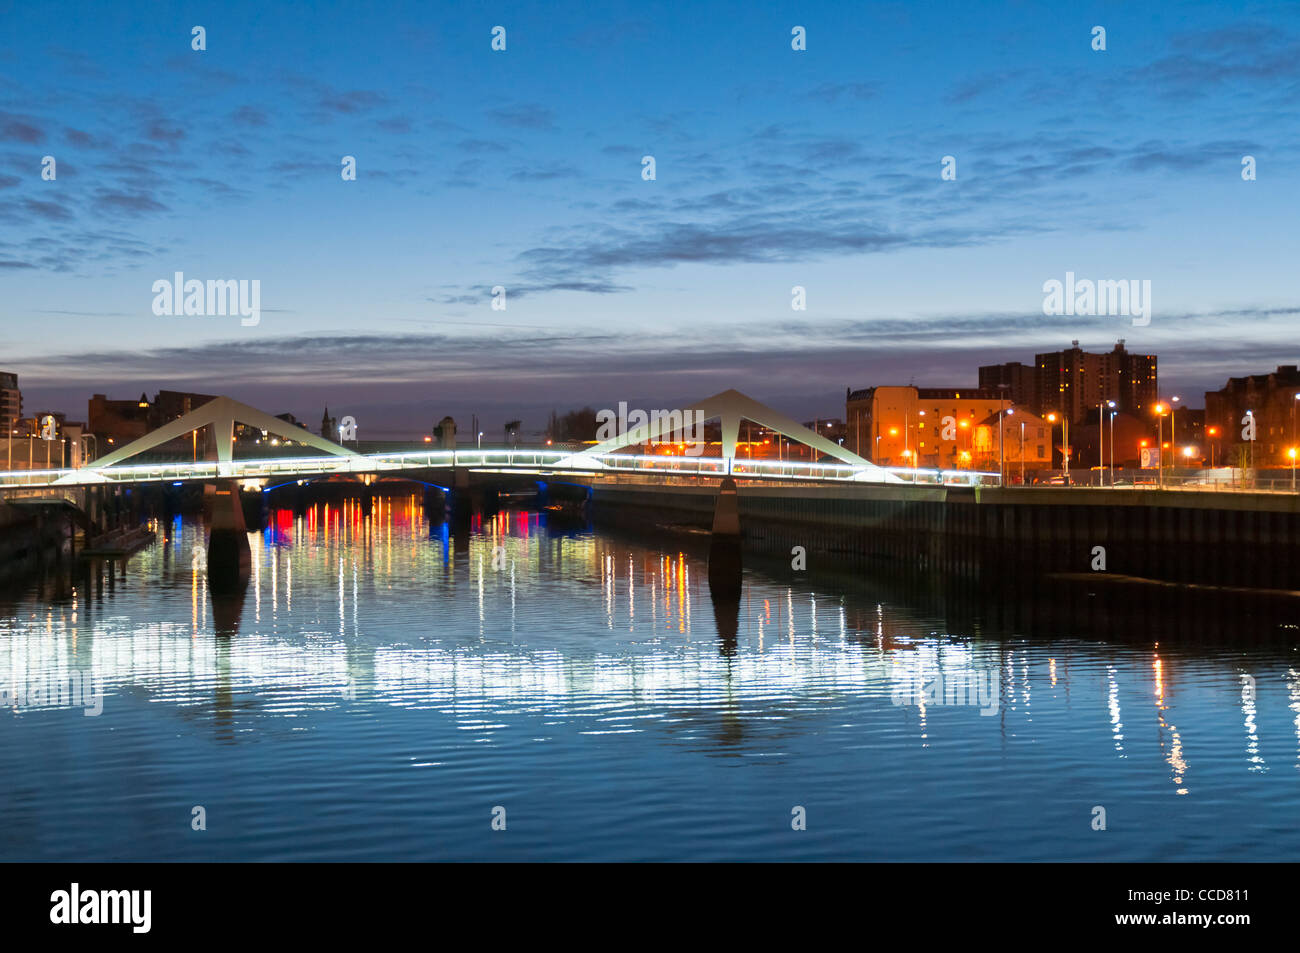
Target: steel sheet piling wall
1221	539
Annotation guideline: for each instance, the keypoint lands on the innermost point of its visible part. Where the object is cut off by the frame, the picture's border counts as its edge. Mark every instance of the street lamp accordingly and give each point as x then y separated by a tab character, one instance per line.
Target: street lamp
1292	454
920	429
1101	439
1173	422
480	440
1112	446
1065	444
1212	432
1051	419
1160	441
1002	455
1251	415
1293	406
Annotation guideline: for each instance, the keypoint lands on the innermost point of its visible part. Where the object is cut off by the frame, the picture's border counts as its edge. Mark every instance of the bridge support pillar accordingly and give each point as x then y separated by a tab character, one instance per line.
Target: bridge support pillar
230	559
465	499
725	565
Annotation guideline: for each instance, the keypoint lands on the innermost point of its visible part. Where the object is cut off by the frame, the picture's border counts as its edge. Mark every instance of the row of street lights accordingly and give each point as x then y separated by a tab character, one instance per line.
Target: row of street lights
1160	409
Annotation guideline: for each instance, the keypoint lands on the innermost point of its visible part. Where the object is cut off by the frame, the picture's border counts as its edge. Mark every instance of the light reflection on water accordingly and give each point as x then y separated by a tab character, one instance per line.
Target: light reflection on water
383	684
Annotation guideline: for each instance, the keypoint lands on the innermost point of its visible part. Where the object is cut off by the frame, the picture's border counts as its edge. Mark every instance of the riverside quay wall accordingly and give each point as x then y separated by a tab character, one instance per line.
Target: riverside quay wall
1237	538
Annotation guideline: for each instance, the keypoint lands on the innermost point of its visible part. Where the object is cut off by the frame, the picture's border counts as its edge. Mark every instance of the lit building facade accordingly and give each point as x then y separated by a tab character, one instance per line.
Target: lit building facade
1271	399
116	423
1073	381
1026	445
931	427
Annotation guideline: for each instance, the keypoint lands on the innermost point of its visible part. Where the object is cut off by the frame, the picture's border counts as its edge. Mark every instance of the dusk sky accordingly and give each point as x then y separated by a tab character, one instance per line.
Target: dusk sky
774	168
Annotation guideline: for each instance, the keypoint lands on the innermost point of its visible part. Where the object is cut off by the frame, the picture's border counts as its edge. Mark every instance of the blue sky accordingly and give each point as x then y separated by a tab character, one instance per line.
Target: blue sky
522	168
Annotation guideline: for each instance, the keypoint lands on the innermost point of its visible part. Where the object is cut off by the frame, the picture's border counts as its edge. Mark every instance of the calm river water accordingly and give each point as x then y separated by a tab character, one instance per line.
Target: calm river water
386	688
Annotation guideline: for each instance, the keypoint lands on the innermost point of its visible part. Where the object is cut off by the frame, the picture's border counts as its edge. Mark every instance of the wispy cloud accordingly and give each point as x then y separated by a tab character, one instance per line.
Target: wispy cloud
525	116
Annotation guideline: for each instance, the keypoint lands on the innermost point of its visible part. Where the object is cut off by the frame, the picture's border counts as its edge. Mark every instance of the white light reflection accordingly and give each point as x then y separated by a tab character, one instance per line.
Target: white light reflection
1112	702
1248	711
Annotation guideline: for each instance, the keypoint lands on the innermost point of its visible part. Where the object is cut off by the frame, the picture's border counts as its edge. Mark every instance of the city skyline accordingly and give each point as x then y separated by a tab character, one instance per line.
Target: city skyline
649	433
1019	384
776	168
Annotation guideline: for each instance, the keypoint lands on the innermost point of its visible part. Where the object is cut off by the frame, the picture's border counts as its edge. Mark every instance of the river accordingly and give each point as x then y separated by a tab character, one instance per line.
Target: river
388	689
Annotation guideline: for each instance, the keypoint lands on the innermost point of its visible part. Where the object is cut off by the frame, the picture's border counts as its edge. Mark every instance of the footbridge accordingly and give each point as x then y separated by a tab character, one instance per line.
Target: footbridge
601	462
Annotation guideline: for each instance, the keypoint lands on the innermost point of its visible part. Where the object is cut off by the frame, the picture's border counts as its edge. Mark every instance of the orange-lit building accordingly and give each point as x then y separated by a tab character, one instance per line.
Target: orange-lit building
929	427
1026	443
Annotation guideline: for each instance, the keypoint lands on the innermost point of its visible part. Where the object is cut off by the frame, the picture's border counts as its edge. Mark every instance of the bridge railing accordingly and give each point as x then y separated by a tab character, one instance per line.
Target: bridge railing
505	460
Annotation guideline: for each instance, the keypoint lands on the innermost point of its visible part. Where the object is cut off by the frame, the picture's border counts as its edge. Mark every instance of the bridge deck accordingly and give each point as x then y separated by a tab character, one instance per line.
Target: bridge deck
540	462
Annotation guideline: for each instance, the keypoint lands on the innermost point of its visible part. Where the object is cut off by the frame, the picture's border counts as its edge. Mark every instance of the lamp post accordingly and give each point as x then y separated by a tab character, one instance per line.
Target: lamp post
1051	419
1251	414
907	432
1101	439
1002	458
1293	405
1112	448
920	429
1101	445
1212	432
1065	444
1160	442
1002	455
1173	426
1069	449
1292	454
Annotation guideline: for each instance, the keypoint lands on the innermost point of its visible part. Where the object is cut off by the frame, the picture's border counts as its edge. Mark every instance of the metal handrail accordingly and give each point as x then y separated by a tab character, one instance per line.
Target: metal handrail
506	460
